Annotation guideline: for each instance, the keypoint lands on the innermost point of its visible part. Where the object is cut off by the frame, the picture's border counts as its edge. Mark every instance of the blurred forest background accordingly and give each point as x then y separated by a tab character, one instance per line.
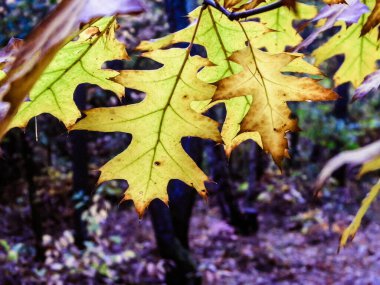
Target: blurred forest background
258	227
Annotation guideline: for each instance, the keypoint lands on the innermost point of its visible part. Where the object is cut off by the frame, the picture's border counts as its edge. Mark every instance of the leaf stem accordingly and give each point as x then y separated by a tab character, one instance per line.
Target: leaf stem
245	14
258	71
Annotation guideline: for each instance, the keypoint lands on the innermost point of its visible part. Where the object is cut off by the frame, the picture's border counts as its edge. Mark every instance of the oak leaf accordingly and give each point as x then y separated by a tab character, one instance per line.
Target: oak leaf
360	52
269	114
157	124
348	12
77	62
220	37
44	42
281	22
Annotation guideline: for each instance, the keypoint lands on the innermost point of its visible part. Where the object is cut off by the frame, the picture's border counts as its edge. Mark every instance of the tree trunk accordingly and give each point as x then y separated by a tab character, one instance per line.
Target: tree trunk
171	225
35	216
244	220
340	112
80	198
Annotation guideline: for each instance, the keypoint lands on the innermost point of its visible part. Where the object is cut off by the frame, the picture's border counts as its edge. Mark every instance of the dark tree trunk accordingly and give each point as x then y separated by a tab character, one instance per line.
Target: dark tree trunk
340	112
36	221
341	105
78	141
256	165
171	225
244	220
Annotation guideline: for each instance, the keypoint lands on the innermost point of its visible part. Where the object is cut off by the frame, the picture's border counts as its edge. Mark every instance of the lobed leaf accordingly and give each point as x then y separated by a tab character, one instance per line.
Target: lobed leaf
157	124
221	37
77	62
281	22
360	52
269	114
348	12
42	45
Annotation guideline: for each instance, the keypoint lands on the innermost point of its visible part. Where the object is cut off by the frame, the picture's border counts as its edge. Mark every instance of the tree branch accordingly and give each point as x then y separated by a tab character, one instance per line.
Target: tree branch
245	14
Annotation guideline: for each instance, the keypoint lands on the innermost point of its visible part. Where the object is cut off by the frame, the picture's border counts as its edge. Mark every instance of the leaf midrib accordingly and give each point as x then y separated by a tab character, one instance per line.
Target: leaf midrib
79	59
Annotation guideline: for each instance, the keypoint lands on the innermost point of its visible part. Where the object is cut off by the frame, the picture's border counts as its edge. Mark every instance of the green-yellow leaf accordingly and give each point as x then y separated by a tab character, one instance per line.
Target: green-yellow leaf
221	37
360	52
281	22
350	231
157	124
77	62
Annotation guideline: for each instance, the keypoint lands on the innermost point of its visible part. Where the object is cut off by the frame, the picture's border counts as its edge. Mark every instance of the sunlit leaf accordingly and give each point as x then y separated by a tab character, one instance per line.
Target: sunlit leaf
157	125
42	45
281	22
360	52
78	62
269	114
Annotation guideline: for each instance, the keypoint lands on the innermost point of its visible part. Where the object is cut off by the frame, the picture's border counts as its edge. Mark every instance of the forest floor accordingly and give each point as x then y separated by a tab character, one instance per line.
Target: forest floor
296	244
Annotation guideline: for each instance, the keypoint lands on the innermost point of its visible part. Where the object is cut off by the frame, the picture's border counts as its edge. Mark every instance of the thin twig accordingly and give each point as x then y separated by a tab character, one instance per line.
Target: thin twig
245	14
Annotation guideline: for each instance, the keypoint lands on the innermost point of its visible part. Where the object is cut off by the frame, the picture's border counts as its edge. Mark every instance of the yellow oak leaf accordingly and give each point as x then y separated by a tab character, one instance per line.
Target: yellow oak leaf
270	90
44	42
78	62
157	124
281	22
221	37
360	52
